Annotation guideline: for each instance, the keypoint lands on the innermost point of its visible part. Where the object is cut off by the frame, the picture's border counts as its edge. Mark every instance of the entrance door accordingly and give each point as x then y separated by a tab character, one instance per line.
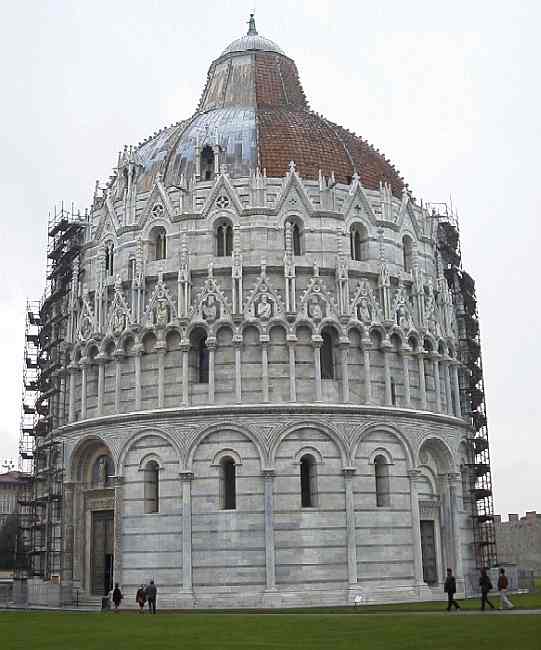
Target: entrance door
428	548
101	559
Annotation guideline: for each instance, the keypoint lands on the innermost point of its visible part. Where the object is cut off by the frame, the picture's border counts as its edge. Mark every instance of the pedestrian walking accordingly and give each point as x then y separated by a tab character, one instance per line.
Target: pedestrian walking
503	584
117	597
140	599
150	593
450	589
486	586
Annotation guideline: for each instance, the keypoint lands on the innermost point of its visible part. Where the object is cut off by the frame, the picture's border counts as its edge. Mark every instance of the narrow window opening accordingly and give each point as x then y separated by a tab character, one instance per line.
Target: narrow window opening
109	257
327	357
224	240
407	253
152	487
207	163
228	480
381	468
160	244
203	361
308	481
393	392
103	471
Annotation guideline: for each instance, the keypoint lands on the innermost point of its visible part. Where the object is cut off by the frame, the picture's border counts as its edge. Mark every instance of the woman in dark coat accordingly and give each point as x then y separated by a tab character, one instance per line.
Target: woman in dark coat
117	596
486	586
140	599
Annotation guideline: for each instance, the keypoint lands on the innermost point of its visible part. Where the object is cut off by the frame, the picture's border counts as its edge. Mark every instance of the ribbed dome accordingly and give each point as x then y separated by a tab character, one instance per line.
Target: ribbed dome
252	41
254	108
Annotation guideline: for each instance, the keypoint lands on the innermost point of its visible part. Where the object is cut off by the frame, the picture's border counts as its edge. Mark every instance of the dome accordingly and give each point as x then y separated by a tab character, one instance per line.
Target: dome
252	41
253	108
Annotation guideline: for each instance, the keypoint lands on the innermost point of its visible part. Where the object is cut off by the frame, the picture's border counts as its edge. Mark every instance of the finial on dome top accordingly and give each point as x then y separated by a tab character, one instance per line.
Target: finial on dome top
252	31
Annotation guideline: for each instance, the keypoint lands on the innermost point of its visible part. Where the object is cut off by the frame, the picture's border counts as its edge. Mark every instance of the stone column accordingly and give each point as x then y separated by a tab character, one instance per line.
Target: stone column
68	505
73	368
291	340
270	597
187	590
437	387
185	349
455	535
118	379
367	373
118	484
264	341
211	346
160	351
413	475
446	372
101	359
138	353
406	373
237	342
316	342
422	379
344	345
387	375
351	534
83	364
456	390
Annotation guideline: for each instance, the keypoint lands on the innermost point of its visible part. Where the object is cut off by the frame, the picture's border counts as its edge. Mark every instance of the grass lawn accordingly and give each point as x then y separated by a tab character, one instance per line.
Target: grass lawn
316	631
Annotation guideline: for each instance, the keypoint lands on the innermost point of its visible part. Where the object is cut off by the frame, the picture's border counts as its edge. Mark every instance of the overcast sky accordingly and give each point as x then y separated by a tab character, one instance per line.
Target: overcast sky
449	91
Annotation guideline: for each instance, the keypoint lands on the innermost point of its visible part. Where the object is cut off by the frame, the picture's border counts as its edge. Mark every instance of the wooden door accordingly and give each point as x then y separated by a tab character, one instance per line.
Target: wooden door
428	547
102	552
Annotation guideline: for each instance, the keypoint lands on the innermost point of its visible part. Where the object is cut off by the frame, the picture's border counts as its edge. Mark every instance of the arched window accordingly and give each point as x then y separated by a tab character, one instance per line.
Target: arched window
393	391
224	239
228	481
383	492
308	481
358	242
296	236
103	471
407	253
327	356
158	237
152	487
109	259
207	163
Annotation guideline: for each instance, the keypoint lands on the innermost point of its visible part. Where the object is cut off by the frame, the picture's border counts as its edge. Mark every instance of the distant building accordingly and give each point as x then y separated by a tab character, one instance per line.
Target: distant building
519	540
11	483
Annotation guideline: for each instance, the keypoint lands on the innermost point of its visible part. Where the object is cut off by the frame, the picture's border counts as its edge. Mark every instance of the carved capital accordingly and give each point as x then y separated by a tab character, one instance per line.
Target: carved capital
268	473
414	474
349	472
186	476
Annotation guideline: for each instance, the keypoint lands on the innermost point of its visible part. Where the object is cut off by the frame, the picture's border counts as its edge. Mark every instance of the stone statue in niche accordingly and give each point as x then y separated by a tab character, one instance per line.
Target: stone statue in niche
403	318
210	309
315	310
86	328
363	311
161	317
264	307
118	324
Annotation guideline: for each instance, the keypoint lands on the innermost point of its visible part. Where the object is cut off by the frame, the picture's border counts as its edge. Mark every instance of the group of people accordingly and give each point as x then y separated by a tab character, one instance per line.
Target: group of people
486	586
145	594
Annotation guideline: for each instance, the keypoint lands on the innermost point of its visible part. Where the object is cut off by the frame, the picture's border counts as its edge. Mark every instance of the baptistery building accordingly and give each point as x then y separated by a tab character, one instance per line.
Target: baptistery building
251	378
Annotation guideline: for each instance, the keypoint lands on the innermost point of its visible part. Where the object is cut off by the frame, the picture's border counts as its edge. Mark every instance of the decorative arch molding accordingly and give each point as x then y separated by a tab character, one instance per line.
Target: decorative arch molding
322	427
226	452
441	452
157	222
428	473
78	457
373	427
131	440
380	451
224	426
309	449
151	456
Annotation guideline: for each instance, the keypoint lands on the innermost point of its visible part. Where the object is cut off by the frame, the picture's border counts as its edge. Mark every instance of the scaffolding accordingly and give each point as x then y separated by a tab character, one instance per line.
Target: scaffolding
472	391
40	537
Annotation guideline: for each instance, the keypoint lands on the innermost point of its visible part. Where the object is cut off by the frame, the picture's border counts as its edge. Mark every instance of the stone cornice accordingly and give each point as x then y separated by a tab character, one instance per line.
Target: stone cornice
229	410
